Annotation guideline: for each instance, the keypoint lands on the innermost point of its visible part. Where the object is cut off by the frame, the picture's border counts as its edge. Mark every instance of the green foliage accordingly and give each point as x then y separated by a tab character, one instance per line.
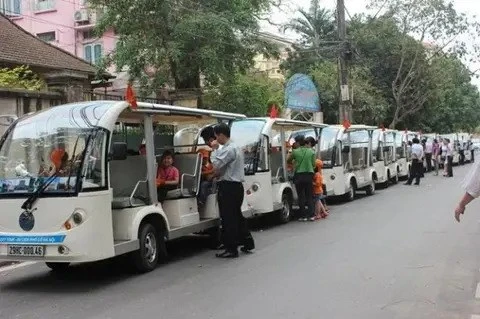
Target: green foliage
317	31
368	103
246	94
20	77
184	40
396	78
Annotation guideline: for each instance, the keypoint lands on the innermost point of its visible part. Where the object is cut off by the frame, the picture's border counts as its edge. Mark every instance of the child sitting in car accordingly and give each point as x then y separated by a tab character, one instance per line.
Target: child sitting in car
168	176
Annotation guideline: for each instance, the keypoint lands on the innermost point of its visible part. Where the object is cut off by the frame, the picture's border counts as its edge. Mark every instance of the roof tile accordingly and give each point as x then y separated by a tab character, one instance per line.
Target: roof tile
20	47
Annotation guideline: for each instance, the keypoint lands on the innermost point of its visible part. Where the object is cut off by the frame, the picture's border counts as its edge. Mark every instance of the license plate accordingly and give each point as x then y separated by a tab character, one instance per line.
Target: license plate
28	251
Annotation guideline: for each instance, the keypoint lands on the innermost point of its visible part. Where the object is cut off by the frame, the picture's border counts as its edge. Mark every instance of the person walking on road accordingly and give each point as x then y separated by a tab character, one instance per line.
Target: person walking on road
229	166
428	154
436	155
471	185
447	152
303	159
417	162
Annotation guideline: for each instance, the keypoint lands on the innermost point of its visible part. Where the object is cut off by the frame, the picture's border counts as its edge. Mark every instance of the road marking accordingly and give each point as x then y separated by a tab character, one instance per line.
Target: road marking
16	266
475	317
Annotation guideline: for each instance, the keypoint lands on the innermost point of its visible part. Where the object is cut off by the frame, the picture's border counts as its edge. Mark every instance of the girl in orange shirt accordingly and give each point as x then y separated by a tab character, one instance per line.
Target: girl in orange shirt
320	210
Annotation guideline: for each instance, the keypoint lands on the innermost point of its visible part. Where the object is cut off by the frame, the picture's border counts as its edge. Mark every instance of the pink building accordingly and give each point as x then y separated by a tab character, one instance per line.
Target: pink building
68	24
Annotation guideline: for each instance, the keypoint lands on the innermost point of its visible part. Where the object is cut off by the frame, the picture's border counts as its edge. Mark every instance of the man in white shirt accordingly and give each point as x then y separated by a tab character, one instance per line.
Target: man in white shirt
428	154
471	185
417	162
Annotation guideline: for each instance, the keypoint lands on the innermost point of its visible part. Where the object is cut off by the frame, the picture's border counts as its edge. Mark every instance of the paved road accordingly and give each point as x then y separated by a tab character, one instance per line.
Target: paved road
398	254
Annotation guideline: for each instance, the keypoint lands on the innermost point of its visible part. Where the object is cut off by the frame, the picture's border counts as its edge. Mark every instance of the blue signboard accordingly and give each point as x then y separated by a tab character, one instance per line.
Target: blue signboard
301	94
19	239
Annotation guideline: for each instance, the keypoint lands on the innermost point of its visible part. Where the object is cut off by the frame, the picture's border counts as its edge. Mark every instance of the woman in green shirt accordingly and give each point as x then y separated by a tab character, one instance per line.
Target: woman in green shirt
303	159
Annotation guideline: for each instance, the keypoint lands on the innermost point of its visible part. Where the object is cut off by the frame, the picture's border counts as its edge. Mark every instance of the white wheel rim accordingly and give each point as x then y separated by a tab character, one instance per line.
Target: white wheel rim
150	247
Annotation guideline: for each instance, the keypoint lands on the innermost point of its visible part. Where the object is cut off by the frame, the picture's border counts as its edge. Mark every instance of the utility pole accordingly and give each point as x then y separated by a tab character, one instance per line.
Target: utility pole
345	107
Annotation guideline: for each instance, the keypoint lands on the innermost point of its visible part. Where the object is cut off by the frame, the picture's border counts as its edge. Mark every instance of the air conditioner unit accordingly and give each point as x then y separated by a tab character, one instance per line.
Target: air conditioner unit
81	15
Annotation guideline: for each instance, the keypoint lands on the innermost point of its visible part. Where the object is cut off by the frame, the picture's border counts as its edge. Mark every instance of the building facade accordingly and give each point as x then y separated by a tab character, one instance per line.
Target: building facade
271	66
67	24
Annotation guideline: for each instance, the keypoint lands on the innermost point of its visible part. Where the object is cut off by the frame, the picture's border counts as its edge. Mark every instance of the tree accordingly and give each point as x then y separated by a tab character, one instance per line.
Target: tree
318	39
416	21
184	41
249	94
368	103
455	102
20	77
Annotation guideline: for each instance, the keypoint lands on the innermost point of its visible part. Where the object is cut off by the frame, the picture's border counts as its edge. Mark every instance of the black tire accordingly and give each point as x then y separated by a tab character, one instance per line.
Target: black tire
386	184
352	192
285	213
370	190
152	248
58	267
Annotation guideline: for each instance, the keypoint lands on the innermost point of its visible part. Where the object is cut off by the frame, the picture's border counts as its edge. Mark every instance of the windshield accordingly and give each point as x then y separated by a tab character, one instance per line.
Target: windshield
357	138
246	135
377	140
400	145
328	139
52	142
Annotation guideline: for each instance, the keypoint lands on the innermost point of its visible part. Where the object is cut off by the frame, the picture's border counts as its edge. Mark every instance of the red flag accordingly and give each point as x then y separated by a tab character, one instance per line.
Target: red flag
273	112
346	124
130	97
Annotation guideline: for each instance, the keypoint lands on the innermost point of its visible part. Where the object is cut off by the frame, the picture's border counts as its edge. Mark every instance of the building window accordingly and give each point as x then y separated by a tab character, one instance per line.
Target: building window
93	53
44	5
11	7
88	35
47	36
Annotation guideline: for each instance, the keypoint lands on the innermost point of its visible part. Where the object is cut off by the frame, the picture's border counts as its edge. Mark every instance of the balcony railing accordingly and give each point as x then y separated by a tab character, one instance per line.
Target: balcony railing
44	5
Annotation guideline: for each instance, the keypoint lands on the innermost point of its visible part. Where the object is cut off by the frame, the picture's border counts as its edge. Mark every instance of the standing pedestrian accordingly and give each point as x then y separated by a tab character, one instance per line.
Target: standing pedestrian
303	159
461	152
417	162
428	154
229	166
436	155
447	152
472	149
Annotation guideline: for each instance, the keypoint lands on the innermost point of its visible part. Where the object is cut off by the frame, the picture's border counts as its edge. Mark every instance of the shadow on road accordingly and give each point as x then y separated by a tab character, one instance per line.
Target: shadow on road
85	278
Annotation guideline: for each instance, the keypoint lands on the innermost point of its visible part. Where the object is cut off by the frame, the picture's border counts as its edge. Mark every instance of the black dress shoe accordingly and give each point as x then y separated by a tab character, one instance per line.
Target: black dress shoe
246	250
227	254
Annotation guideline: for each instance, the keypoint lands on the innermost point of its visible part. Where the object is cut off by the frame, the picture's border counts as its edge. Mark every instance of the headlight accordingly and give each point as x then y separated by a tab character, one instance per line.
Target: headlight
77	218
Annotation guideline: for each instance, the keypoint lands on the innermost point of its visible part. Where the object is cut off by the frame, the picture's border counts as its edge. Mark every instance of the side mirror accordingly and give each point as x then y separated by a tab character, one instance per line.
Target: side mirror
119	152
346	149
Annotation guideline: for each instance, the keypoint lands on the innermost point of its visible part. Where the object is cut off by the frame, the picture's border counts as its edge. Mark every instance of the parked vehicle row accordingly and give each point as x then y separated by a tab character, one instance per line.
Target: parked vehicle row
101	200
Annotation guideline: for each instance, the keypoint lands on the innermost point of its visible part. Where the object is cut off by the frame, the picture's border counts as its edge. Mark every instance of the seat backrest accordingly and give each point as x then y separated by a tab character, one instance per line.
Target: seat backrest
124	176
358	157
189	163
276	163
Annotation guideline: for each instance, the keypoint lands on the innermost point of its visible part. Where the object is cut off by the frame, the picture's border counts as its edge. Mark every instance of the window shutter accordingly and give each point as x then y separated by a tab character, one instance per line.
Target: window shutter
16	6
88	53
97	53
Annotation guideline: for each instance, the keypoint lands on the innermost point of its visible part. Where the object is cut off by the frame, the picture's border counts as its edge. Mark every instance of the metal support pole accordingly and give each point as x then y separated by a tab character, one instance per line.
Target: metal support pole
345	108
151	160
